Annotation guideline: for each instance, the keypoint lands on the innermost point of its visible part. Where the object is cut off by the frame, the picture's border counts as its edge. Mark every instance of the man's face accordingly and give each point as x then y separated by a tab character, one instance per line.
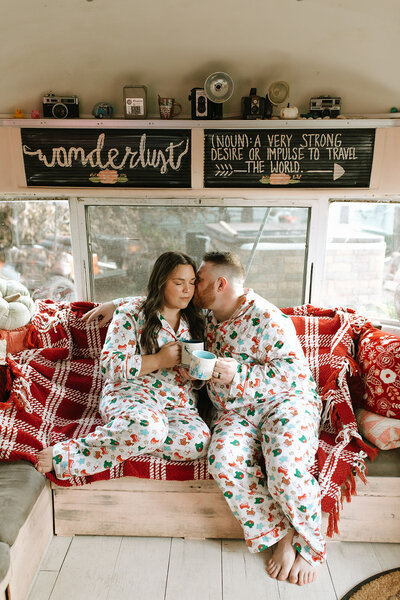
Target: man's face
205	294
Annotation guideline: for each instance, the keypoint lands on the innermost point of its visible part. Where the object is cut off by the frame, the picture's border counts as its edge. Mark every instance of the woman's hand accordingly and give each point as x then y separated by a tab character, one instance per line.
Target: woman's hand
224	370
104	311
169	355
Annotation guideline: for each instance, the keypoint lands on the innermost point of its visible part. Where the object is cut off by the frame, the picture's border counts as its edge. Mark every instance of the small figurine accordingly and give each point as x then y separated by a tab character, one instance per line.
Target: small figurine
35	114
18	114
289	112
103	110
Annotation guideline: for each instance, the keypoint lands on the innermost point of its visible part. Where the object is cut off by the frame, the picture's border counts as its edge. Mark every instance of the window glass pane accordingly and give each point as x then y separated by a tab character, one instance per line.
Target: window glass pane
35	247
137	235
363	258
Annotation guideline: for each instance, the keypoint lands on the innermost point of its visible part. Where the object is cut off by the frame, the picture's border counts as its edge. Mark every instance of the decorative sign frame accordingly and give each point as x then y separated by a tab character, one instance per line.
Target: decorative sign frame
75	157
295	158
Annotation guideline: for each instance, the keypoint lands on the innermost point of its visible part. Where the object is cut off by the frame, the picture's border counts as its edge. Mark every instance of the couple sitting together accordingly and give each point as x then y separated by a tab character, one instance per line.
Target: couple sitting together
264	432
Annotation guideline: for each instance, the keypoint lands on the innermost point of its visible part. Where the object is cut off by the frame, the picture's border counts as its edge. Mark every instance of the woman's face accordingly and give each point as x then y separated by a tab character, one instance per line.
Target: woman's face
179	288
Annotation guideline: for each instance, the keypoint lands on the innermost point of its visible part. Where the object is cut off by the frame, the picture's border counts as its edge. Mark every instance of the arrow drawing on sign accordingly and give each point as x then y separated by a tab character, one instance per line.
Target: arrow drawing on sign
338	171
224	170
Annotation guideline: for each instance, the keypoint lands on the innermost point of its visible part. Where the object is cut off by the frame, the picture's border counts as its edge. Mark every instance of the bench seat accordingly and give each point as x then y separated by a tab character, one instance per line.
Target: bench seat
197	509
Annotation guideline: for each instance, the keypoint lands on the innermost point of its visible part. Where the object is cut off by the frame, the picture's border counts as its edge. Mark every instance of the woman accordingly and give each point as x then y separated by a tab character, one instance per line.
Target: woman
147	406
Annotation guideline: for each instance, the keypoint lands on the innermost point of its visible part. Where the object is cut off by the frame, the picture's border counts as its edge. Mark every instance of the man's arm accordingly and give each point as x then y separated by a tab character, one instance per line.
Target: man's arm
279	366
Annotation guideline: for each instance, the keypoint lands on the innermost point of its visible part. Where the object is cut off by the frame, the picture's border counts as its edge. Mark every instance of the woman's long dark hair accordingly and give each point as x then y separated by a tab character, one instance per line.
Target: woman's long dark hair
154	302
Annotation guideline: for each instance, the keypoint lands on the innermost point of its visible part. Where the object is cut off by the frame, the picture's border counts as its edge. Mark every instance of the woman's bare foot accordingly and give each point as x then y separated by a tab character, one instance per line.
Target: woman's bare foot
45	460
283	558
302	572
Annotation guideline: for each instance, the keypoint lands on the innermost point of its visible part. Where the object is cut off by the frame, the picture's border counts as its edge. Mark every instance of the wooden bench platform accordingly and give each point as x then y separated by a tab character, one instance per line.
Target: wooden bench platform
197	509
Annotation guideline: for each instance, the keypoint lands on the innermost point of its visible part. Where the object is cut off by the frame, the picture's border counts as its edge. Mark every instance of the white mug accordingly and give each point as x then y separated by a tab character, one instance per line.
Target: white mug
187	347
202	364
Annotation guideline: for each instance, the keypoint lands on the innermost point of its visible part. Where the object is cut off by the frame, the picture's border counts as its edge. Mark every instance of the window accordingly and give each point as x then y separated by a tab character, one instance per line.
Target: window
35	247
362	267
271	241
329	253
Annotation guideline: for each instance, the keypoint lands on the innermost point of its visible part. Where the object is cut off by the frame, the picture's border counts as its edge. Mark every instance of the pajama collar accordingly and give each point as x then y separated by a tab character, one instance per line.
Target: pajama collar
247	302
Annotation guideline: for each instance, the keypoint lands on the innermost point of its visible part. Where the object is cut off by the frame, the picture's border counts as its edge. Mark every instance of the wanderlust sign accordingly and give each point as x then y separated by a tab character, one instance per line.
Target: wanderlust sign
288	158
108	158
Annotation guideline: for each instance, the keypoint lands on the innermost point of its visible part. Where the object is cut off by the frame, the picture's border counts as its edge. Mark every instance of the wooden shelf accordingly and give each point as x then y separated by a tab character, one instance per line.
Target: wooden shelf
374	122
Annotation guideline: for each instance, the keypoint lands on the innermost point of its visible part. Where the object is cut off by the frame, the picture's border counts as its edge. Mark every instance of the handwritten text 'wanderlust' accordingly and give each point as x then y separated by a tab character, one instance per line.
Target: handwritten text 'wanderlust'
160	159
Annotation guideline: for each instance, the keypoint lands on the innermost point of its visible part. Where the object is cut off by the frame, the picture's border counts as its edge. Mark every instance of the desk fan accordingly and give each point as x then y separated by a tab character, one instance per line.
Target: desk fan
277	93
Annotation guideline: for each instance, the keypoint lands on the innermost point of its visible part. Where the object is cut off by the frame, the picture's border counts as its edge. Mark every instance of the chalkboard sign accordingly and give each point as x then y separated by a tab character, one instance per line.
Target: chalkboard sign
288	158
107	158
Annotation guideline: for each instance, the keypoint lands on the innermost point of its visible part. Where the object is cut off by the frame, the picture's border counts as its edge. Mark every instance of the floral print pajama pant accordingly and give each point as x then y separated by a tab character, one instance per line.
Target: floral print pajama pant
283	432
135	422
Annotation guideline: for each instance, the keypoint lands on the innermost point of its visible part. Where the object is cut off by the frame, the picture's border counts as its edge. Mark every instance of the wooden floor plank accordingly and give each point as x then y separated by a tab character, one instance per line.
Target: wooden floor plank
43	585
388	556
107	568
244	575
88	569
321	588
56	553
350	563
141	569
194	570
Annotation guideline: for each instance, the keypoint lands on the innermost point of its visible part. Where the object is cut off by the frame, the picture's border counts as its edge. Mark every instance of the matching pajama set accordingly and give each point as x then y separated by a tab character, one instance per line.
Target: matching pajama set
152	414
265	433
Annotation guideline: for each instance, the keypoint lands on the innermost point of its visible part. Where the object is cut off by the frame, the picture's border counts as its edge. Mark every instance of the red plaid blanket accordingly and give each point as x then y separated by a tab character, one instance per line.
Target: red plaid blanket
57	385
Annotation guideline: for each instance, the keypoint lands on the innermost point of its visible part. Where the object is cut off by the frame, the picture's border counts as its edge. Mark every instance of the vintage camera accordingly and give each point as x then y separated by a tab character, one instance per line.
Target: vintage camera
60	107
253	106
325	106
202	107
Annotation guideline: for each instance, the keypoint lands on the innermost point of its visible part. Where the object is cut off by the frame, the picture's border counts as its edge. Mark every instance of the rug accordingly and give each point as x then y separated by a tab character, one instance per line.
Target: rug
383	586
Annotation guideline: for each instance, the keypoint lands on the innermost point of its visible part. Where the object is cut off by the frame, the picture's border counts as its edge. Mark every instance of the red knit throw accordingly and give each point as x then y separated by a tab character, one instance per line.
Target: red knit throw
56	390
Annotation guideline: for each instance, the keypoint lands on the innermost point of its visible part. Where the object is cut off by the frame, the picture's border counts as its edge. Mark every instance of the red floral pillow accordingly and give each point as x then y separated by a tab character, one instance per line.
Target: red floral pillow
379	358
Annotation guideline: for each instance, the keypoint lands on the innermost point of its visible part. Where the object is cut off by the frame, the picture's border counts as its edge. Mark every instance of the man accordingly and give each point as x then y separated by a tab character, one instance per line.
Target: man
265	431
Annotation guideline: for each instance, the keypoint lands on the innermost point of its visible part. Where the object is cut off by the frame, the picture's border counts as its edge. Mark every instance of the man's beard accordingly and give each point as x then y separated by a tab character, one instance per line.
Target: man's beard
207	298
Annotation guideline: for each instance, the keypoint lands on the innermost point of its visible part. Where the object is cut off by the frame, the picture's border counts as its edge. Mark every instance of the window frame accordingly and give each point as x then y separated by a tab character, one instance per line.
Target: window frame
316	233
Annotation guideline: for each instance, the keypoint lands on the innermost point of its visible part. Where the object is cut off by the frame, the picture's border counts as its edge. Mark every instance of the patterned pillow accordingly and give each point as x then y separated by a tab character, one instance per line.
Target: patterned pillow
379	359
16	339
381	431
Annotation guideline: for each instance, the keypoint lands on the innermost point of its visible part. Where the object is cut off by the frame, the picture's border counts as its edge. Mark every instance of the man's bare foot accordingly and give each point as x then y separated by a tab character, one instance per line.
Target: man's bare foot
283	558
302	572
45	460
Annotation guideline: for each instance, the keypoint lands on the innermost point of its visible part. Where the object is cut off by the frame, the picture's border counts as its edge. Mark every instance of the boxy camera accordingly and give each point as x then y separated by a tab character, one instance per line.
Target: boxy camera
60	107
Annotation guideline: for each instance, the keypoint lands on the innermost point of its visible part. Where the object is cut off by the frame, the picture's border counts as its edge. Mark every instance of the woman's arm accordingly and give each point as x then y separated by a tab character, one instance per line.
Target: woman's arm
104	311
168	356
121	358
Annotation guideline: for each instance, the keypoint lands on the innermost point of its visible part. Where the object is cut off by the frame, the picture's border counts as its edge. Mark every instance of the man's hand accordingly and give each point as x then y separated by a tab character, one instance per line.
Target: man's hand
169	355
105	311
184	373
224	370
